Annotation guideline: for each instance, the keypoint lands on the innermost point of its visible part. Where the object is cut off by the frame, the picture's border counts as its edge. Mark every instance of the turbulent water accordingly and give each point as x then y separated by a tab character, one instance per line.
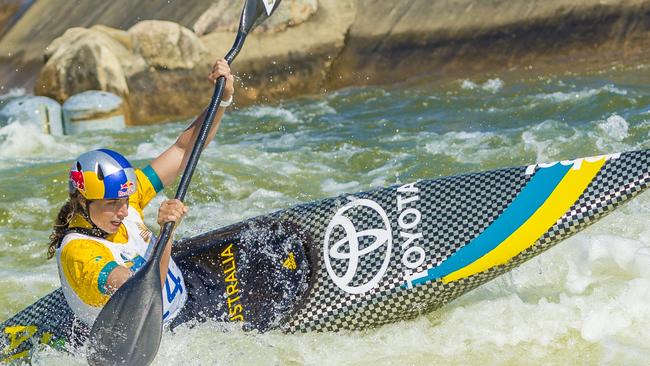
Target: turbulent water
586	301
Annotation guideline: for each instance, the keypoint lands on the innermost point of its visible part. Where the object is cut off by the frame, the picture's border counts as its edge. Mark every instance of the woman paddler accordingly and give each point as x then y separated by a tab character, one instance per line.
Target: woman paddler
99	236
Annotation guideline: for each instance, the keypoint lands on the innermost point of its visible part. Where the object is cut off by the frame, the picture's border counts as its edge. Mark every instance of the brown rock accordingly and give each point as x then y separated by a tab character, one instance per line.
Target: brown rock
270	67
124	37
223	16
293	62
169	95
84	59
21	48
166	45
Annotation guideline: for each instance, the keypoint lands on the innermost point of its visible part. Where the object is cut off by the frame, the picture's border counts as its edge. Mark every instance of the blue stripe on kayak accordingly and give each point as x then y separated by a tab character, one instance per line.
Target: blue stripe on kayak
532	196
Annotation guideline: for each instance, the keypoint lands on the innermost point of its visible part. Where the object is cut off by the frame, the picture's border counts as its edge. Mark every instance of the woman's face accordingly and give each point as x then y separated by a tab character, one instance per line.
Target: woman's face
108	214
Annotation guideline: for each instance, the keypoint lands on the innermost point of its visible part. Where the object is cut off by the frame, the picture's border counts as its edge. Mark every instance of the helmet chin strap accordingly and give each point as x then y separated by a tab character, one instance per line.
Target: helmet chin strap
95	230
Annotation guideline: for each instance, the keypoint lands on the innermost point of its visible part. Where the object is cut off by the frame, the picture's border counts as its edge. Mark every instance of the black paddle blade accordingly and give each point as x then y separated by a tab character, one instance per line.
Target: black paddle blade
128	329
255	12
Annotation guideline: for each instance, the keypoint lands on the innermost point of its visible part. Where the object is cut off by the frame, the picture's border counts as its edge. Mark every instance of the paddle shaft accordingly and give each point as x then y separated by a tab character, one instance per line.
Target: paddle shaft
168	228
129	327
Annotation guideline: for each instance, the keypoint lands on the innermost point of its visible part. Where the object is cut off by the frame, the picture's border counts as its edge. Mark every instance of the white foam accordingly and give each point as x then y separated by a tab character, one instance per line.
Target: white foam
491	85
274	112
468	85
150	150
263	193
551	139
560	97
329	185
13	93
28	212
47	356
385	174
468	147
316	109
20	141
247	203
324	108
283	141
32	277
615	127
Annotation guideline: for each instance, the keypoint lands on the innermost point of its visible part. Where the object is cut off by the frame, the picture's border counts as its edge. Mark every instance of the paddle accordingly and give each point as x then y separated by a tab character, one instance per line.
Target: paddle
129	327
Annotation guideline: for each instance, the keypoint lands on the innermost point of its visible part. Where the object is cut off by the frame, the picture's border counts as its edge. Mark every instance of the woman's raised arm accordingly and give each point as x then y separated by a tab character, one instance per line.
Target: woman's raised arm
172	161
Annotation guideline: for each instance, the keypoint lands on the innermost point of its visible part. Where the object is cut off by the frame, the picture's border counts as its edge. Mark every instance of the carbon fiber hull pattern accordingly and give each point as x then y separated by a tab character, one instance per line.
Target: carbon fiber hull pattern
376	257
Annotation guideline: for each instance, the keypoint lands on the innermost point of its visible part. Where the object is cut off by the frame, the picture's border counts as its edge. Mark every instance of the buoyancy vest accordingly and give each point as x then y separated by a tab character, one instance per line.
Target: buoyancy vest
132	254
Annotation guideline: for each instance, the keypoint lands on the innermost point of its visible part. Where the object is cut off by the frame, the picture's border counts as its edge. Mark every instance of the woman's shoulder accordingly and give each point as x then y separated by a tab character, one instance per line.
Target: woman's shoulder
148	186
79	248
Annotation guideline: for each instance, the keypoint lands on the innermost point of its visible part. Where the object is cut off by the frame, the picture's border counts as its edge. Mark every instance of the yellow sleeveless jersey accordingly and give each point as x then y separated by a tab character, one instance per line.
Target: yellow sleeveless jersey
85	262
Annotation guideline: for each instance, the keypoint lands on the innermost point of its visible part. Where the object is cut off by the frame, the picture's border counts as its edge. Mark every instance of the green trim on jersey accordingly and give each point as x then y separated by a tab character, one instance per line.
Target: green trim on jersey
153	178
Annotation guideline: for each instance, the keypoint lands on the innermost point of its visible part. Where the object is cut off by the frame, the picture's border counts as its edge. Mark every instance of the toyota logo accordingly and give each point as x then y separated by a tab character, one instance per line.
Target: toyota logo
354	255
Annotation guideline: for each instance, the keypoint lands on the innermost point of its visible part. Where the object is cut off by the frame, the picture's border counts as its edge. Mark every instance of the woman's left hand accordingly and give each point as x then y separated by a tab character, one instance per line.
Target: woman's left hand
221	68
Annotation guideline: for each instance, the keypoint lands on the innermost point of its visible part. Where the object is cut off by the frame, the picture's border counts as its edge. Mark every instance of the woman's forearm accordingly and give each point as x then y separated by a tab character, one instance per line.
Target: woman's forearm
164	261
171	163
186	140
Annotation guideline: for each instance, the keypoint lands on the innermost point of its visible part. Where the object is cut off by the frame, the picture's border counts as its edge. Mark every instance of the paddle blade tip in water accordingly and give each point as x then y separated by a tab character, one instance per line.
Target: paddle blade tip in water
129	327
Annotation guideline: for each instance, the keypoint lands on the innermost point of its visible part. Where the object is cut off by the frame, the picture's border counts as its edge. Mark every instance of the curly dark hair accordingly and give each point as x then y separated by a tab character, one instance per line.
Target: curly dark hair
71	207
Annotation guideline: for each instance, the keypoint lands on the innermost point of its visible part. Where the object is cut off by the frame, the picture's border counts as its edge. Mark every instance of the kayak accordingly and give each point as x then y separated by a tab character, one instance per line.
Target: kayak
366	259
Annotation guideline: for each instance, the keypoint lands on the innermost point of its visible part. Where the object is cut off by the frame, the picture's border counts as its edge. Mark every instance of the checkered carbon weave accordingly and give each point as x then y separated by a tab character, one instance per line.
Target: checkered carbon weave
454	210
49	320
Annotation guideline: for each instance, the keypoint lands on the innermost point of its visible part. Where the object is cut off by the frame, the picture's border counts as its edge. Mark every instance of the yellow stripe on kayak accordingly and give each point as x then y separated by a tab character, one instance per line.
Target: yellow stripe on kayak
558	203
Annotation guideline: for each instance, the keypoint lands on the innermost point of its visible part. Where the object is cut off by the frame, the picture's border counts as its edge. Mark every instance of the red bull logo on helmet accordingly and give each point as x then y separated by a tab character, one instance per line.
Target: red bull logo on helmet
77	179
126	189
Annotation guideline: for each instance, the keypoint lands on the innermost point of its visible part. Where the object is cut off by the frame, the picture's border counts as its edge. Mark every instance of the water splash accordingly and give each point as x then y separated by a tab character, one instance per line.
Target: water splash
24	143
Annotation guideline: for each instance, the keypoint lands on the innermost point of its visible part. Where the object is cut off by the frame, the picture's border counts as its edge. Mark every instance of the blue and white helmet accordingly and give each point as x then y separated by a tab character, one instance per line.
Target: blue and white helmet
102	174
